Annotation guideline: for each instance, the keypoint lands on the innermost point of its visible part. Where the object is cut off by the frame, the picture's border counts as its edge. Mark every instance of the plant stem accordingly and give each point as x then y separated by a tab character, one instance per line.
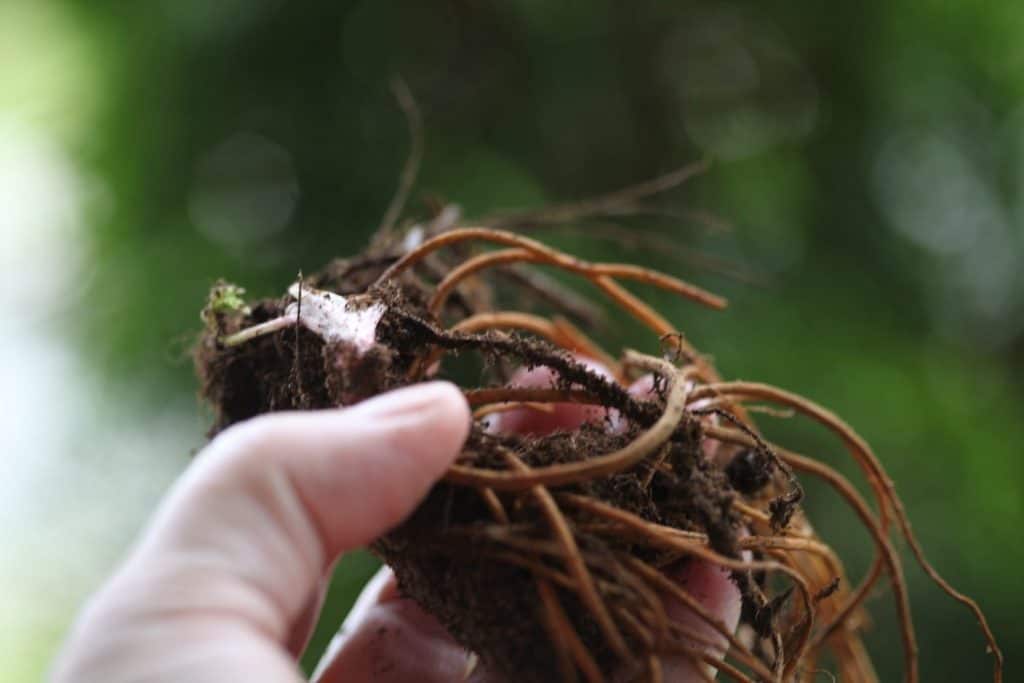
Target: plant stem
259	330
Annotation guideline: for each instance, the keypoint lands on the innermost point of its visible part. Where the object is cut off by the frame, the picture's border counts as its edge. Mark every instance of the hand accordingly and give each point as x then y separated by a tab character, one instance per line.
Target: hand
227	581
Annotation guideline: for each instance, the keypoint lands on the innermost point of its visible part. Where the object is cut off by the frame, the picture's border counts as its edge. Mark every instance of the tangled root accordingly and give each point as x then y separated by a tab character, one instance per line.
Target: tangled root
551	553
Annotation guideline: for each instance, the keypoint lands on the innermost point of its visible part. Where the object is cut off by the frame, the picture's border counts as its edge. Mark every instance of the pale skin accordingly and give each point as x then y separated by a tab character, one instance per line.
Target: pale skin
226	581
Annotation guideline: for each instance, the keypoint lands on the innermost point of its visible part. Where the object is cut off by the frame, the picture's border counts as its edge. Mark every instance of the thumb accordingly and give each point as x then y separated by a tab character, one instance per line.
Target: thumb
245	535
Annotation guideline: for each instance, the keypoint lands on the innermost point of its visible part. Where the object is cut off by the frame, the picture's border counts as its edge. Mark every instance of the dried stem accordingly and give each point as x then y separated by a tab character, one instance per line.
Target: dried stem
412	164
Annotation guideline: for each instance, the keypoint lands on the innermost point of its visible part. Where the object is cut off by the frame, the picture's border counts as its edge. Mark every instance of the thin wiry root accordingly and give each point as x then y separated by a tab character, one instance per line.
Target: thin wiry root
800	647
885	489
412	164
731	392
664	537
598	465
656	323
660	536
619	202
545	254
881	539
565	637
574	562
559	332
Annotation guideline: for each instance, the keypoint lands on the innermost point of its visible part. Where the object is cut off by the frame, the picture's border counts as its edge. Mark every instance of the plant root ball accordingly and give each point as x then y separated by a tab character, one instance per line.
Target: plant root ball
476	575
553	552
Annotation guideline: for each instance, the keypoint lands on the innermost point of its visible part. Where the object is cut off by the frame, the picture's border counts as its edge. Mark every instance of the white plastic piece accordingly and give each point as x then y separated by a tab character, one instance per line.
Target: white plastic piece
329	316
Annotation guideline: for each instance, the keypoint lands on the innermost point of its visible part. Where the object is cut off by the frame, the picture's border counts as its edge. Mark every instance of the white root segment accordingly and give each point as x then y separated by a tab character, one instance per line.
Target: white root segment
330	316
255	331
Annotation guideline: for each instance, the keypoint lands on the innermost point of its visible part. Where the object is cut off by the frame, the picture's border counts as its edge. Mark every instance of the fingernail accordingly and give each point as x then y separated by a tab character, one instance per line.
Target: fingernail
424	401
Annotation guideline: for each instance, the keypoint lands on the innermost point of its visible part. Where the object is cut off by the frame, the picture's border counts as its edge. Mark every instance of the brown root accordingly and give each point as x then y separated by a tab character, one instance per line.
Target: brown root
553	553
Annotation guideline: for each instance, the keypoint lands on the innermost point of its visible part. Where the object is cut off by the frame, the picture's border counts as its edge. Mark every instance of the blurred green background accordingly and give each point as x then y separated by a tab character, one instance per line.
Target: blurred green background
869	158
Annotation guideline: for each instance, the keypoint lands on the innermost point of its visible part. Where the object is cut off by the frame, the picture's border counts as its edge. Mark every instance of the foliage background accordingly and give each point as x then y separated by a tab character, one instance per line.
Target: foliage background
869	157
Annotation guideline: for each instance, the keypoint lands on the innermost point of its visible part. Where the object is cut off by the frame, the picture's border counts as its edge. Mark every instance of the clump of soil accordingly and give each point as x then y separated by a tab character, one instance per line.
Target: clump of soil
547	556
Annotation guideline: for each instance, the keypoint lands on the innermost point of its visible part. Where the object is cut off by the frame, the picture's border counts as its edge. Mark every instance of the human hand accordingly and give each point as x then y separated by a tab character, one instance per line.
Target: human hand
227	582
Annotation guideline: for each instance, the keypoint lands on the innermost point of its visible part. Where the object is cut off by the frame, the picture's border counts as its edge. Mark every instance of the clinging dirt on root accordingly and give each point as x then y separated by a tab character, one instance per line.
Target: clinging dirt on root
550	556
